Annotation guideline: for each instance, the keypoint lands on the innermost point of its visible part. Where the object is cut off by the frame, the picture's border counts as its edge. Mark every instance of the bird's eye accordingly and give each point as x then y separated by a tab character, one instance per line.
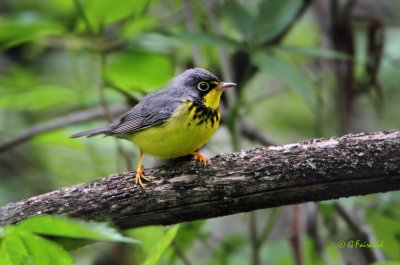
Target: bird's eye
203	86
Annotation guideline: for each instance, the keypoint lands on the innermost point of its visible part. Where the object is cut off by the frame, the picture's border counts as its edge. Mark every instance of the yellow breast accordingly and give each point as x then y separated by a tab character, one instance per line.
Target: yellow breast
189	128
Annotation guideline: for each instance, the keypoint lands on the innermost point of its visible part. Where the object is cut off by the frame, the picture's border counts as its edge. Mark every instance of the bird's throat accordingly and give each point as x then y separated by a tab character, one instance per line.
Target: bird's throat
211	99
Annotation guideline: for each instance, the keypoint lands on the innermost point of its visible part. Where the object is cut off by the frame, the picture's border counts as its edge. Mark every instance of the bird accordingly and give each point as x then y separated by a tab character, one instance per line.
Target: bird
172	122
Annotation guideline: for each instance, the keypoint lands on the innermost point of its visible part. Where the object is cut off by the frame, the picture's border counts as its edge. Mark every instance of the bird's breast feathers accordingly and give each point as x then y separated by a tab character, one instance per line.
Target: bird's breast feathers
190	127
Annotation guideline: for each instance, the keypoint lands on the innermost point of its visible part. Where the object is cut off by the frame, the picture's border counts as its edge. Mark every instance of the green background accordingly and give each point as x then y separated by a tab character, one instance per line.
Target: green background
291	60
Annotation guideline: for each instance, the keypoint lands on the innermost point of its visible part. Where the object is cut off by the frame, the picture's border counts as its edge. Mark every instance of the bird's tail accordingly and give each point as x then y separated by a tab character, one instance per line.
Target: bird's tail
103	130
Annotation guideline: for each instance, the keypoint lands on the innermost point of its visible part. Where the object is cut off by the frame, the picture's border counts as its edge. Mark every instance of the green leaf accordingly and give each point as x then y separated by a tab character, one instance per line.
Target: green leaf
263	22
161	246
23	247
139	70
37	98
154	42
149	235
288	74
66	227
44	251
104	12
314	52
206	39
139	25
13	251
24	28
274	16
241	18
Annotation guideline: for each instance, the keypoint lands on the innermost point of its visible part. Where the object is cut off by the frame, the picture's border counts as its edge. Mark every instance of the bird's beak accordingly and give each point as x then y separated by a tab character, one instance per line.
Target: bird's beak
225	85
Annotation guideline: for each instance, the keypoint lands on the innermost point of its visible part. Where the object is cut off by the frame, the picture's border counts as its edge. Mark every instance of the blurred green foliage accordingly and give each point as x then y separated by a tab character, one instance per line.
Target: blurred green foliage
24	243
135	70
62	56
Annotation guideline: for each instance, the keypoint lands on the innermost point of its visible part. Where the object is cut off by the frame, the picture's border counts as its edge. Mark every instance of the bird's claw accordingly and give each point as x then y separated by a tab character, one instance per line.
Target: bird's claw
199	156
140	176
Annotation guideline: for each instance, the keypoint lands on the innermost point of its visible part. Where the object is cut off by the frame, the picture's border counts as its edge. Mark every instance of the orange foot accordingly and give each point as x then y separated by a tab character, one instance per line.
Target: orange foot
140	176
199	156
139	172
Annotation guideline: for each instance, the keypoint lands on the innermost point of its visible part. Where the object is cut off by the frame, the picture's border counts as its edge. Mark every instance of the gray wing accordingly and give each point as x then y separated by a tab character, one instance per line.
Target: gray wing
153	110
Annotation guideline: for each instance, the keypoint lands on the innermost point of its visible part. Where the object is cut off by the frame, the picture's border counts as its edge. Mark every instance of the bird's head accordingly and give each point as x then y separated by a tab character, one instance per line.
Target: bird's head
200	86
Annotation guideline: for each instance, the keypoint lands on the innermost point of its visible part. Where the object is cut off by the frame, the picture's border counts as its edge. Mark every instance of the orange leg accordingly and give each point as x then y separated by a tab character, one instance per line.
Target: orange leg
199	156
139	172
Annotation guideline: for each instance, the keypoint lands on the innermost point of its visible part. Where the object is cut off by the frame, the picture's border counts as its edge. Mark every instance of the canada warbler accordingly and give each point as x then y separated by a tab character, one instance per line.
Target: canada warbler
174	121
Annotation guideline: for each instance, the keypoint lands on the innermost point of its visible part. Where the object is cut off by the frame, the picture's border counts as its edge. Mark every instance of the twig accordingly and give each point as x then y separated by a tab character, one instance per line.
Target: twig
268	226
253	134
180	253
69	119
255	254
296	234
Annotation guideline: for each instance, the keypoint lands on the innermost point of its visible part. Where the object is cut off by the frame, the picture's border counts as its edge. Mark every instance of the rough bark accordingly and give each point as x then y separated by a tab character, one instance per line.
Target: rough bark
314	170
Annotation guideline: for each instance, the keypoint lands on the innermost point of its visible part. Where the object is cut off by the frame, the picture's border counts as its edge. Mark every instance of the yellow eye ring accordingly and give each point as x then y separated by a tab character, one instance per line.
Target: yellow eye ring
203	86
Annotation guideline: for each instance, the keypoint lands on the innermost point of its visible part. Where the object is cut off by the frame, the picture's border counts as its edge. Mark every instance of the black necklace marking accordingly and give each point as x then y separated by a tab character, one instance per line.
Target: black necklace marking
203	114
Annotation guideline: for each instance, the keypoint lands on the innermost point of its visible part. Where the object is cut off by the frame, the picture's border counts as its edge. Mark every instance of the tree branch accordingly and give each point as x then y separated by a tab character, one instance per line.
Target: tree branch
313	170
